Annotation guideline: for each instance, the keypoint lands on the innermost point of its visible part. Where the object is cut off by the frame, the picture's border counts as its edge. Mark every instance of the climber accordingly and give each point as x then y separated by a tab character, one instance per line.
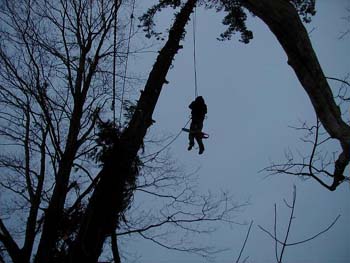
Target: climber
199	109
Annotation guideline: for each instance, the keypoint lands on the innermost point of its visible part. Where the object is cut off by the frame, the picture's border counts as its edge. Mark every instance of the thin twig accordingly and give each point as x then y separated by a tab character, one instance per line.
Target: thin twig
318	234
275	232
284	243
245	241
289	224
340	80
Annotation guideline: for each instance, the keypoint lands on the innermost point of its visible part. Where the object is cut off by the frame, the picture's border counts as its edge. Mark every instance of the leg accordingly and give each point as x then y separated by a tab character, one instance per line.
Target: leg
198	137
191	141
191	137
200	144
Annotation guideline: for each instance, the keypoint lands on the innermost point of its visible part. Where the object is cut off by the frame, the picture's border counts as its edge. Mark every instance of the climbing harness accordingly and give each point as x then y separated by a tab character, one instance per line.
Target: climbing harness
201	134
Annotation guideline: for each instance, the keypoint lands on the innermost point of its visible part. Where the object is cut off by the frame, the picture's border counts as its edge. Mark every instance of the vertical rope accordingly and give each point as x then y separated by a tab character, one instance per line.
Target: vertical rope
126	61
194	53
114	57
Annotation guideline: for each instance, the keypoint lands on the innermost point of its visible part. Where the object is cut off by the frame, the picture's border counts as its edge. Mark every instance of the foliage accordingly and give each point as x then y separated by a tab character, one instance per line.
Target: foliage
147	19
235	18
305	8
108	134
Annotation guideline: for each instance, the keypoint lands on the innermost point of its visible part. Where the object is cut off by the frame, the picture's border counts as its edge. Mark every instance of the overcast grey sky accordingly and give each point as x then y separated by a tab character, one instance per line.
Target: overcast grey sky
253	96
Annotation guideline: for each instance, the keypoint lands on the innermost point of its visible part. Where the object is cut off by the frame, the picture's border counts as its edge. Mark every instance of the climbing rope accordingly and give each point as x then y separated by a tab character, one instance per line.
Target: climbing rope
194	27
126	61
154	155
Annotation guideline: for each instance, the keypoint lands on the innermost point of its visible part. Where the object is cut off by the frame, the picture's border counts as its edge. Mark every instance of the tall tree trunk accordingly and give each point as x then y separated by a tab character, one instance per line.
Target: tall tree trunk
108	199
10	244
82	85
283	20
35	203
54	212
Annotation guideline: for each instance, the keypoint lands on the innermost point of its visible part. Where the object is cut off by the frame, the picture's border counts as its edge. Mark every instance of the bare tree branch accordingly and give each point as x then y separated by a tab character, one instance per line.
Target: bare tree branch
245	241
6	238
285	243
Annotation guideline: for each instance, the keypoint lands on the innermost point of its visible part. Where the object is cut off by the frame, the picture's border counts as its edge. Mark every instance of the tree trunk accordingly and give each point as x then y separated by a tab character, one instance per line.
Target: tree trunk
54	212
108	200
35	203
283	20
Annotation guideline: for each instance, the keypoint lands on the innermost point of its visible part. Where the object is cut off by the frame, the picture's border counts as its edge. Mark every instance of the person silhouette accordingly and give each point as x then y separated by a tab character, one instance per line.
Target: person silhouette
198	111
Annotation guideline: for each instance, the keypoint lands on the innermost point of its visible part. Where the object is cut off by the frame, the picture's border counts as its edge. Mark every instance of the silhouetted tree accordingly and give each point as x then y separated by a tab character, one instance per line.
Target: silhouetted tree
55	60
282	19
55	85
64	62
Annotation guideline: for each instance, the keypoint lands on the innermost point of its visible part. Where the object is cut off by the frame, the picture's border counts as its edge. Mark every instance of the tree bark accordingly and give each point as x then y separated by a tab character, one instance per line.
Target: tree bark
284	22
108	200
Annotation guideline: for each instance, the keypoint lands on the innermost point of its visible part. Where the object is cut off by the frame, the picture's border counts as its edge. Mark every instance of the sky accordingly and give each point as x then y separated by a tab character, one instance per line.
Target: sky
253	96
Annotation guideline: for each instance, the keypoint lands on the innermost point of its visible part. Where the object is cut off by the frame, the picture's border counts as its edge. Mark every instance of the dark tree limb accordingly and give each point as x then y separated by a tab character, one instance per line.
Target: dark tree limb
115	249
11	246
35	202
308	168
283	20
340	80
82	85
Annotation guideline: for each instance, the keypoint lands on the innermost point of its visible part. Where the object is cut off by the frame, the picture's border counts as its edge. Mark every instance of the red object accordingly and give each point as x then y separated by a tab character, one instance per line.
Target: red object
202	134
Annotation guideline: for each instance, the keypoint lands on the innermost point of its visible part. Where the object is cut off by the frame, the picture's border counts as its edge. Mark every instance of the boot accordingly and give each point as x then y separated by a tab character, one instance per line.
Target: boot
201	148
190	147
